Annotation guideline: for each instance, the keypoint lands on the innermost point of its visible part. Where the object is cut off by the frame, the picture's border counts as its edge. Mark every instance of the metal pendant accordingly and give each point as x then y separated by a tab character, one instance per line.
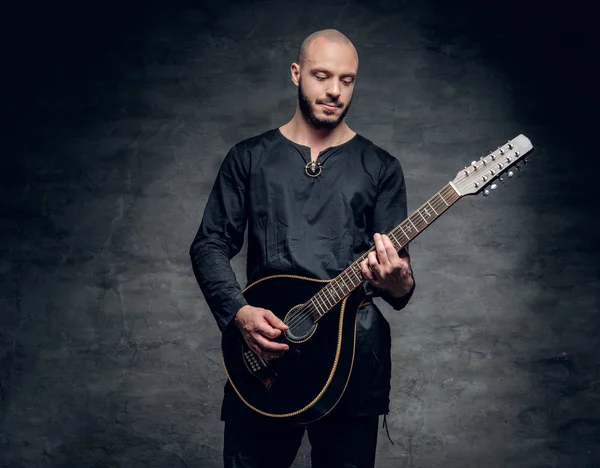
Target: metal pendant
313	169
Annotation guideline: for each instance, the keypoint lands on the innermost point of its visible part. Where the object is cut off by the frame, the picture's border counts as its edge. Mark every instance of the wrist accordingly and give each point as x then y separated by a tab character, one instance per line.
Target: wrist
403	290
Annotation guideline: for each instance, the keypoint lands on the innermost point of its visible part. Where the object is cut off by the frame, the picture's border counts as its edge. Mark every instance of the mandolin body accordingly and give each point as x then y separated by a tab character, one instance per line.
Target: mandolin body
310	378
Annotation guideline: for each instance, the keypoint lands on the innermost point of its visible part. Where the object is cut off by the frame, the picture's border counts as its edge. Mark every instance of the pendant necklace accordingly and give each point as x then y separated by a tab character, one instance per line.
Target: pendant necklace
313	169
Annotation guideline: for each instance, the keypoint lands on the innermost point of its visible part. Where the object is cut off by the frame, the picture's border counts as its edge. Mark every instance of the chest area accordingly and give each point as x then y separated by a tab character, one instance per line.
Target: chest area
340	185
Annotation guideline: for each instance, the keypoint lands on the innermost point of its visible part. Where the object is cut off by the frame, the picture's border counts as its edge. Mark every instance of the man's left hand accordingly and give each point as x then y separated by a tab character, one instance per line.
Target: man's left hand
387	269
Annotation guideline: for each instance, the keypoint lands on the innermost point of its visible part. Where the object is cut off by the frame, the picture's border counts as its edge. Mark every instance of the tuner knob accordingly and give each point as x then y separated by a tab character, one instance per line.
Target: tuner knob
486	192
510	173
500	179
493	186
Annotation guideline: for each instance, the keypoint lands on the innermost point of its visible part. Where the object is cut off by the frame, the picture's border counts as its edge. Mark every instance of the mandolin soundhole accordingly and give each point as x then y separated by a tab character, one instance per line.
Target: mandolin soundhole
301	323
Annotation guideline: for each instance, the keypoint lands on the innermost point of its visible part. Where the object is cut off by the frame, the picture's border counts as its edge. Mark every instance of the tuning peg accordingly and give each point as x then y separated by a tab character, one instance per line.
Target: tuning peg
510	174
500	179
525	162
486	192
493	186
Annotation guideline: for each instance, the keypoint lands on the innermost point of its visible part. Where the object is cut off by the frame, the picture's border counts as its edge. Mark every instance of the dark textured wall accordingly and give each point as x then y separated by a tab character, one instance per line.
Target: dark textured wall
115	120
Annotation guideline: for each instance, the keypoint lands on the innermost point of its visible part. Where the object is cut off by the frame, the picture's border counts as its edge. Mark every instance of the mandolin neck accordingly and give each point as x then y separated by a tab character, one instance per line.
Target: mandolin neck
351	278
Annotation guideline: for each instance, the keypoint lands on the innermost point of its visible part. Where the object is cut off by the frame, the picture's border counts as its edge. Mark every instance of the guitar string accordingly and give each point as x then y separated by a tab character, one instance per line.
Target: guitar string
437	201
305	312
439	206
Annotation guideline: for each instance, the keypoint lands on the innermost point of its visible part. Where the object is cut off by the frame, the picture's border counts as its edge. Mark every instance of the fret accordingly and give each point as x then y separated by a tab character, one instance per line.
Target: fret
352	269
315	305
423	217
350	278
413	224
407	238
356	273
442	197
334	291
396	240
343	280
414	220
430	206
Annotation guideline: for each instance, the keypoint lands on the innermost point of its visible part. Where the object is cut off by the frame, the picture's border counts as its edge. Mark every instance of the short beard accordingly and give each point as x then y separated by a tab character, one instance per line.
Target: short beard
306	108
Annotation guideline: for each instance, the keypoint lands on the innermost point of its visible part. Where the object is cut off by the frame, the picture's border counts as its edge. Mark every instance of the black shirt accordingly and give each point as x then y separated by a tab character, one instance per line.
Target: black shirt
308	226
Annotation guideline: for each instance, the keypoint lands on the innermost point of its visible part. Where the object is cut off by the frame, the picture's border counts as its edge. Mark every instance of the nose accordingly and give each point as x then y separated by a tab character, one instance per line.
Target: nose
334	90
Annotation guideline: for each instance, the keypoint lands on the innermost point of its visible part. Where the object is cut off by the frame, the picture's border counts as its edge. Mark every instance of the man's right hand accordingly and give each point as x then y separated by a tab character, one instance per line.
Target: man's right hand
259	327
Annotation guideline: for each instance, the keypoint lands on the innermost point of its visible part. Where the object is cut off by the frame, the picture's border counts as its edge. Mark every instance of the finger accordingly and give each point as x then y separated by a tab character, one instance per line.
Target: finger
390	250
265	329
268	345
366	271
380	249
374	265
275	321
364	268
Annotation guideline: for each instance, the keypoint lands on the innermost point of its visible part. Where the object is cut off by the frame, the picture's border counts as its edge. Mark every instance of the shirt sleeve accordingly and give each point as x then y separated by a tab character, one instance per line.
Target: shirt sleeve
220	237
390	210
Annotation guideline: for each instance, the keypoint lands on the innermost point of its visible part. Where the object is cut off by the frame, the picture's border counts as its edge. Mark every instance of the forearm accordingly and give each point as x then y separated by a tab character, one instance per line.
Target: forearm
217	280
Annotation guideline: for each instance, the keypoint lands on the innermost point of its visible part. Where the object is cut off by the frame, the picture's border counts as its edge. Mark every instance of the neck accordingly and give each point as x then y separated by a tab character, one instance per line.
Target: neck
302	132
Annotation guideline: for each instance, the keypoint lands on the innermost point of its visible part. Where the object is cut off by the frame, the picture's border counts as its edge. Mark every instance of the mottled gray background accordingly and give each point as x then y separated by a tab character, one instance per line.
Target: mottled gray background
116	117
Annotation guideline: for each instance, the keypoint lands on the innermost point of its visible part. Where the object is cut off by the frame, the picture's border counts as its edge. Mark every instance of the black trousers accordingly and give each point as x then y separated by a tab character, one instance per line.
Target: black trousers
335	443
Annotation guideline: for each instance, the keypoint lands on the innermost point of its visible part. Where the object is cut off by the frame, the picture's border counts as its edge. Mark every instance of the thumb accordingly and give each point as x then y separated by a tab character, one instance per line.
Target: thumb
275	321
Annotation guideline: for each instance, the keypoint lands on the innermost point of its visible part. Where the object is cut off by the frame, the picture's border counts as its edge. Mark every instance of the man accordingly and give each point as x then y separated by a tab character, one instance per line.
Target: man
313	194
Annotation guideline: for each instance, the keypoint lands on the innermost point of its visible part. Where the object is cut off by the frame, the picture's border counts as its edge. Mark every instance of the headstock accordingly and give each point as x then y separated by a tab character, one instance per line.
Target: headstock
480	174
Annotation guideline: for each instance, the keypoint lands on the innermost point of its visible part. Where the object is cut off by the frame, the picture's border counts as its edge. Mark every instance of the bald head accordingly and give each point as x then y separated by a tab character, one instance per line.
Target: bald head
328	35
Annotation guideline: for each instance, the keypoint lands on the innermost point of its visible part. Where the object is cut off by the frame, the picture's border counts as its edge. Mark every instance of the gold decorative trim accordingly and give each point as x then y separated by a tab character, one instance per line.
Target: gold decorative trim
285	276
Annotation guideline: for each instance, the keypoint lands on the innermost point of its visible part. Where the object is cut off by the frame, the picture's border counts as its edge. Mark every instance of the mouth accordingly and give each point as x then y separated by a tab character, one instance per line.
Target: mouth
329	106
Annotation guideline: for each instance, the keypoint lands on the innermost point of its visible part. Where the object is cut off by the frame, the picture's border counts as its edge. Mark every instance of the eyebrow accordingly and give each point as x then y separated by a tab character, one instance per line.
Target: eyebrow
323	70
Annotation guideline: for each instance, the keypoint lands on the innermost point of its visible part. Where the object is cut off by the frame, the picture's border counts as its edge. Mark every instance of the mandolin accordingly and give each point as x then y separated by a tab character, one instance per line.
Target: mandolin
308	380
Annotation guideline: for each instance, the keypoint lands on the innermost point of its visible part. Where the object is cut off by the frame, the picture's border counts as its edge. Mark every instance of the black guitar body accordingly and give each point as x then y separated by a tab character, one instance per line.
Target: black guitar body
309	379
